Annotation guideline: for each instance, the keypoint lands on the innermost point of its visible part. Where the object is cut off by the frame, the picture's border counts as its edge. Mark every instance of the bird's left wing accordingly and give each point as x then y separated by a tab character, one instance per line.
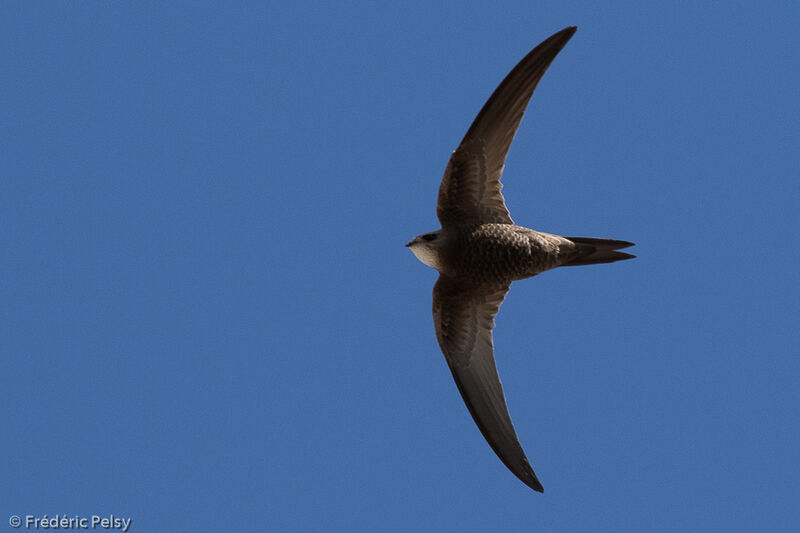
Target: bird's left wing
470	189
464	318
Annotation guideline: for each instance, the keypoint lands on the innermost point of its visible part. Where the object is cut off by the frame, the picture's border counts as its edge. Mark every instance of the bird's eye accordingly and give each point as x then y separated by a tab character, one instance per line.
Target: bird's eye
429	236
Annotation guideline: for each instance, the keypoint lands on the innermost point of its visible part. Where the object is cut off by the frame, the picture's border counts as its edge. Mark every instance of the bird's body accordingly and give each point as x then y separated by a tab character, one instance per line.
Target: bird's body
492	253
499	253
479	252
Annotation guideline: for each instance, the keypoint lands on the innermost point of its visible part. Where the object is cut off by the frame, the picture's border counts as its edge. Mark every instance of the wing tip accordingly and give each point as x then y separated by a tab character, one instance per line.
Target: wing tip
567	32
530	479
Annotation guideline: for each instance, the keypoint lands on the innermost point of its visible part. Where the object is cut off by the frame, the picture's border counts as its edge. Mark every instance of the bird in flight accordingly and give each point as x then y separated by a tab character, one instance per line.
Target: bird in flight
479	251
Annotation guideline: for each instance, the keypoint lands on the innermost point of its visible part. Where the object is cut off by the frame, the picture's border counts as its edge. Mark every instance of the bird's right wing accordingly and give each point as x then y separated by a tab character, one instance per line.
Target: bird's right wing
464	318
470	189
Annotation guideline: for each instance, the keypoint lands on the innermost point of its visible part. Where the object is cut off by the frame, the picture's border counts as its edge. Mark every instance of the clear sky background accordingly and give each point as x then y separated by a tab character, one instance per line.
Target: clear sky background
208	320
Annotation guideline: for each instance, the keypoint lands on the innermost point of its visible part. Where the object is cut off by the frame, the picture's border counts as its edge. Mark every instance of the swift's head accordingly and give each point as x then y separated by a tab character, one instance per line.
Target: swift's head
426	247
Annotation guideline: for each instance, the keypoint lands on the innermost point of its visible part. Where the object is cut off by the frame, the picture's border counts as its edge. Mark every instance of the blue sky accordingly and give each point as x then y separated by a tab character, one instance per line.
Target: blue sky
208	320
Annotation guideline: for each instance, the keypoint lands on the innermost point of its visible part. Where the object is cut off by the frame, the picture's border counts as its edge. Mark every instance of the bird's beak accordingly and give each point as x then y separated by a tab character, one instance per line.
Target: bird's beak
409	243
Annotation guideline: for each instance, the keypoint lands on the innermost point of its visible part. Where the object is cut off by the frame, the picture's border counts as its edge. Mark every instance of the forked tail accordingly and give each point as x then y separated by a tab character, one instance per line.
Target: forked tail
591	251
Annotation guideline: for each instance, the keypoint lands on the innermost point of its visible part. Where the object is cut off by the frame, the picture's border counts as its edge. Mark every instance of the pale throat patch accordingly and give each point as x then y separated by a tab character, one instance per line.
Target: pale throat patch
427	254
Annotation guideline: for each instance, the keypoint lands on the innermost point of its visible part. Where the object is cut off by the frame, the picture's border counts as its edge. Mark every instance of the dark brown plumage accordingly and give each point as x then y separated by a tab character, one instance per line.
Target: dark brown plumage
479	251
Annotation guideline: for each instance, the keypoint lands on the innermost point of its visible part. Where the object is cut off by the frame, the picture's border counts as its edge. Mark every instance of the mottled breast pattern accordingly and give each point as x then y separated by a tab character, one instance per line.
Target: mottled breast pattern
503	252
